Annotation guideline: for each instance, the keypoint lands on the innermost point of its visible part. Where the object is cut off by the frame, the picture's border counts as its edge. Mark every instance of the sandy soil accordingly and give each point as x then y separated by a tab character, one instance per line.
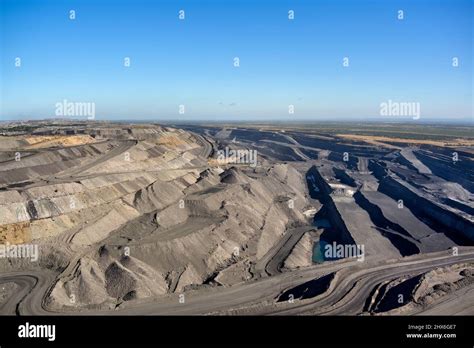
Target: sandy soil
380	140
40	141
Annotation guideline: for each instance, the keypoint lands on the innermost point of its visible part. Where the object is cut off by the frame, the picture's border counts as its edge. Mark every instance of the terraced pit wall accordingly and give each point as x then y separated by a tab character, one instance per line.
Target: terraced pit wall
342	233
420	205
448	170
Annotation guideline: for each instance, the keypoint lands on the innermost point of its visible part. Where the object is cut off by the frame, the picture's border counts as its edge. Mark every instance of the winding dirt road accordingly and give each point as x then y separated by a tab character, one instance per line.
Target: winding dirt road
346	295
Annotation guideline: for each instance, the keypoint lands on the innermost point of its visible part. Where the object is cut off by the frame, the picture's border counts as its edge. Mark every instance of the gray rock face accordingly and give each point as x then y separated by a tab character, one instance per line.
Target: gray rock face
135	216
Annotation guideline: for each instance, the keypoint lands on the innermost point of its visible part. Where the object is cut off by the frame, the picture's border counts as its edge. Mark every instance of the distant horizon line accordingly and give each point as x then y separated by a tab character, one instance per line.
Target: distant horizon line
432	121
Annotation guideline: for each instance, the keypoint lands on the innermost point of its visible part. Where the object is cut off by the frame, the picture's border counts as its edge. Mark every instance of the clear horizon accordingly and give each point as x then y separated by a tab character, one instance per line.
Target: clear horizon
283	62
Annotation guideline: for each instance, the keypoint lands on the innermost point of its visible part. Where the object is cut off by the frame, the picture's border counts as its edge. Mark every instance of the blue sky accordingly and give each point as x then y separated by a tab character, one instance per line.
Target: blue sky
282	62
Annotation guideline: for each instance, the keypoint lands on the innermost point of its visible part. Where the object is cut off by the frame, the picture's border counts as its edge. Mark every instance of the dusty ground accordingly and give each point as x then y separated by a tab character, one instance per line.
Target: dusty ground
382	141
148	213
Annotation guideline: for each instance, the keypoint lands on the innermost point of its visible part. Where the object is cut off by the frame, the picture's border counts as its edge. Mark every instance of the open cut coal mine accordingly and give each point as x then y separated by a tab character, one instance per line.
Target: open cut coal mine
127	217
